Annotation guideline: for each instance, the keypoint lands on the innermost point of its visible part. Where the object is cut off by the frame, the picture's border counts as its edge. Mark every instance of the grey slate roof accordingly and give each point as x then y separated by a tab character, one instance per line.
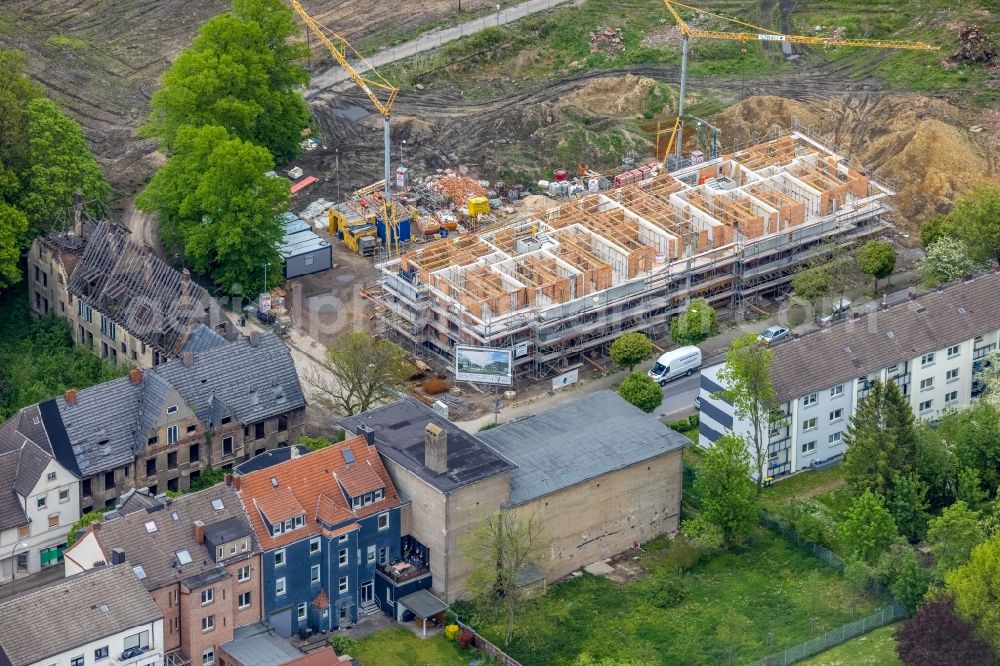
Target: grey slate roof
71	613
136	499
156	551
226	530
580	440
399	436
269	458
254	645
25	452
202	338
11	511
101	425
851	349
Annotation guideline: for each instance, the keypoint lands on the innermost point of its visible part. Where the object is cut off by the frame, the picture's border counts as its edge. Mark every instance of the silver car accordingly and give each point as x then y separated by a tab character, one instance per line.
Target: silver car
773	334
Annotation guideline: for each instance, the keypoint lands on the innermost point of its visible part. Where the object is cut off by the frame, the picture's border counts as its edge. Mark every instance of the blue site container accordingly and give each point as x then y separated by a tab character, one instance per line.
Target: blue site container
404	230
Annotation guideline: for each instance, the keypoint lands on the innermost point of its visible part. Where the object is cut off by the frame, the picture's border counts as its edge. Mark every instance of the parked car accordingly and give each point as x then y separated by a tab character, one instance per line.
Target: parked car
773	334
697	402
675	363
841	307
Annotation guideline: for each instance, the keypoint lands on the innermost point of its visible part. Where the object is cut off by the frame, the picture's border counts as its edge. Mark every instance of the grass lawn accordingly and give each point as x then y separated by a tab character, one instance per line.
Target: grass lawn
877	648
400	647
801	486
767	598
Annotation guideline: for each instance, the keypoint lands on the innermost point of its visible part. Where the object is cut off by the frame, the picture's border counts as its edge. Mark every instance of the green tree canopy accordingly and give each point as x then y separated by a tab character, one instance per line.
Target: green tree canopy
360	372
976	592
908	505
977	218
952	536
13	227
16	91
727	492
631	349
868	529
947	259
877	259
698	323
881	441
935	228
642	391
974	436
813	284
241	73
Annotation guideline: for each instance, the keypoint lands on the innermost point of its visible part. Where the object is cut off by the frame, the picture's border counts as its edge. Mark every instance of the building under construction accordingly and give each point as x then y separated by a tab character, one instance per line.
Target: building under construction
557	285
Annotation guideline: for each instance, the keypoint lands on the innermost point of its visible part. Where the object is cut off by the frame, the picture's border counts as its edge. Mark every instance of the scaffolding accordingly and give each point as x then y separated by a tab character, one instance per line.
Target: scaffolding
564	283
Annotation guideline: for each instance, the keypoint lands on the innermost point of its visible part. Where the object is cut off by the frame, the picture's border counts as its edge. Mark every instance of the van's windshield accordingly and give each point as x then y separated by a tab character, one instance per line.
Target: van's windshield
659	369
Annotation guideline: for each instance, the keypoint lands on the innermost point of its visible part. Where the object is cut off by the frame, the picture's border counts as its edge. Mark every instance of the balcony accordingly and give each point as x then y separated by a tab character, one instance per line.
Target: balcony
140	655
401	572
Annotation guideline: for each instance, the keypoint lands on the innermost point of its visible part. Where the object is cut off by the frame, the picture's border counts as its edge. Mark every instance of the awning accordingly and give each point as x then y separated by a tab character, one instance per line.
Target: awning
423	604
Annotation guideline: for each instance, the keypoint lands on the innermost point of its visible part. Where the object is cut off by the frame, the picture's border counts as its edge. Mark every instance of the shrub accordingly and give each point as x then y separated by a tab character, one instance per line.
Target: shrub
466	639
343	644
683	553
683	425
451	632
693	421
641	391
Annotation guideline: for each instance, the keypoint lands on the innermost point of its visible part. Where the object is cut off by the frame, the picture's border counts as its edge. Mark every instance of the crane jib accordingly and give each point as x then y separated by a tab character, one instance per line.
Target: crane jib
771	38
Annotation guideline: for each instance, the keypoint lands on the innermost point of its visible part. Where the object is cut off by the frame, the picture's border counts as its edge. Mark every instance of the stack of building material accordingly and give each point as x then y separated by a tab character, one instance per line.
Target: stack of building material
458	188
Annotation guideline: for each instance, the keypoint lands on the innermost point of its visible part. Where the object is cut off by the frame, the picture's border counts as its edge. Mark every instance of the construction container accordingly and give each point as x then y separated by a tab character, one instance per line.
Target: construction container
543	185
404	230
559	175
428	225
352	235
478	205
295	173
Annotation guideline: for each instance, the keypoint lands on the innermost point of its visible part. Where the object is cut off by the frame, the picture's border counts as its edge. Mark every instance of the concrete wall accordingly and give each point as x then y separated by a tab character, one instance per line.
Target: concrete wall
466	508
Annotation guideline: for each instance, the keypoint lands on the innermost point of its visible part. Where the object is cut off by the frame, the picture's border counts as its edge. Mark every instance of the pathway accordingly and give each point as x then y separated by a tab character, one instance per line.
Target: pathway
429	41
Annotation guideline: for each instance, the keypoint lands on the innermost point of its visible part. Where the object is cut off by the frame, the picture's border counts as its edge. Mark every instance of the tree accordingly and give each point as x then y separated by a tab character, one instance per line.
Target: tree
60	166
935	228
881	441
728	496
16	91
908	505
85	520
747	378
13	226
877	259
952	536
975	590
947	259
974	435
217	204
209	477
631	349
812	285
900	570
977	218
936	467
242	73
363	372
868	529
501	549
698	323
990	378
936	636
969	488
642	391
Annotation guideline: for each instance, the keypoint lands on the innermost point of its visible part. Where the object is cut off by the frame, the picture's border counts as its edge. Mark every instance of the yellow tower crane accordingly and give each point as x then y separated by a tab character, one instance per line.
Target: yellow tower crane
758	34
371	82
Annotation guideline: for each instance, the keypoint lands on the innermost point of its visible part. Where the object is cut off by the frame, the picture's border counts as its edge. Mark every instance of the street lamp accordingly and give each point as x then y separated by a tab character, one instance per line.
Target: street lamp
13	565
265	276
498	15
402	143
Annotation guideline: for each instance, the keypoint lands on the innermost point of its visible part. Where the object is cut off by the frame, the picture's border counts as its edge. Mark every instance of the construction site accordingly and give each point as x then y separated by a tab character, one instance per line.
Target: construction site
557	286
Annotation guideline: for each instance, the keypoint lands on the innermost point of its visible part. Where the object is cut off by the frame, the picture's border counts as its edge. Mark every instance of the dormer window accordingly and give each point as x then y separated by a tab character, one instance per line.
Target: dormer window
300	521
172	409
376	495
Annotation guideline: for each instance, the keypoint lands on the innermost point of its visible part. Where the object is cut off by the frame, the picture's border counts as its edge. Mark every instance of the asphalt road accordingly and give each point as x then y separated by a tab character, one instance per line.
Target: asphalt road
678	398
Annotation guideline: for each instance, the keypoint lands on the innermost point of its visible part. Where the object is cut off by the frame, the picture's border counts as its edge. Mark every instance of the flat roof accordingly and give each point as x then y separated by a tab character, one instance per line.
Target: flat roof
399	436
253	645
577	441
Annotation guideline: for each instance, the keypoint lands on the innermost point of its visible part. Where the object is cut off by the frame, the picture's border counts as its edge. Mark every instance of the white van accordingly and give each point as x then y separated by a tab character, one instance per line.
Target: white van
675	363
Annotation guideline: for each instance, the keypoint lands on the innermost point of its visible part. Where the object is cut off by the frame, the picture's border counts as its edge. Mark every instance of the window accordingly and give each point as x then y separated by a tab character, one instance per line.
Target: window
232	549
809	447
208	657
51	476
927	384
343	557
288	525
172	409
953	351
809	424
151	467
191	429
112	330
54	520
383	521
388	595
371	554
927	359
357	502
279	586
172	460
314	574
378	495
258	430
343	585
101	653
152	440
383	555
76	661
300	521
835	438
303	611
207	595
226	420
42	501
343	538
279	557
194	453
951	397
313	545
244	599
278	528
809	400
172	434
836	415
952	375
837	391
24	531
139	640
208	623
243	574
227	445
926	405
64	495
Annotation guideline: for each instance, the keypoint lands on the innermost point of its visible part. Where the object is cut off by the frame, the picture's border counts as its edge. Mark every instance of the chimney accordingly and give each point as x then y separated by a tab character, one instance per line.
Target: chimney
236	482
70	396
435	448
293	451
795	335
885	303
912	295
855	316
255	338
967	278
117	556
187	358
96	527
940	287
78	214
169	501
136	376
367	433
199	531
229	480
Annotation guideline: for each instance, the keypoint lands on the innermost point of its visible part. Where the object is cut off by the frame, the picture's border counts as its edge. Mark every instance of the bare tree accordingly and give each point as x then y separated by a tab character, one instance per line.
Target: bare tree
501	547
360	372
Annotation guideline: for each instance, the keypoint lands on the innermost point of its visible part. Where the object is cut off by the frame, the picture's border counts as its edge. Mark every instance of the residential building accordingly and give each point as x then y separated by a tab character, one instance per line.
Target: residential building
327	521
196	555
120	300
597	473
39	497
256	645
160	428
102	617
932	345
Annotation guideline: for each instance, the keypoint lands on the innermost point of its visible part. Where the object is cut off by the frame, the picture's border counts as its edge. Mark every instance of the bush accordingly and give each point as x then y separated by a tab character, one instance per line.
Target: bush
683	553
682	425
803	519
451	632
668	590
693	421
641	391
466	639
343	644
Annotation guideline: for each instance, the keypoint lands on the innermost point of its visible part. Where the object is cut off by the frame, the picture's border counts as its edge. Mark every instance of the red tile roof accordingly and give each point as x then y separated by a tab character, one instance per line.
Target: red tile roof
279	505
359	479
321	601
310	480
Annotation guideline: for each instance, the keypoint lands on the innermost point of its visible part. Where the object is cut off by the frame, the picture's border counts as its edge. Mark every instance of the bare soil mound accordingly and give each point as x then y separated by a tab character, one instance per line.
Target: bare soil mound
615	96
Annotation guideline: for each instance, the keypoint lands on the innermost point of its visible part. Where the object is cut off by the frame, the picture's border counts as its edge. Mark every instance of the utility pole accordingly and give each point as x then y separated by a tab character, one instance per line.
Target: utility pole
266	264
338	173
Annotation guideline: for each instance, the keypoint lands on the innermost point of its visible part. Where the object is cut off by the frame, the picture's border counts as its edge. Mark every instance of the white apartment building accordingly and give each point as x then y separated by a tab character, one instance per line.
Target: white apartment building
39	498
932	346
103	617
